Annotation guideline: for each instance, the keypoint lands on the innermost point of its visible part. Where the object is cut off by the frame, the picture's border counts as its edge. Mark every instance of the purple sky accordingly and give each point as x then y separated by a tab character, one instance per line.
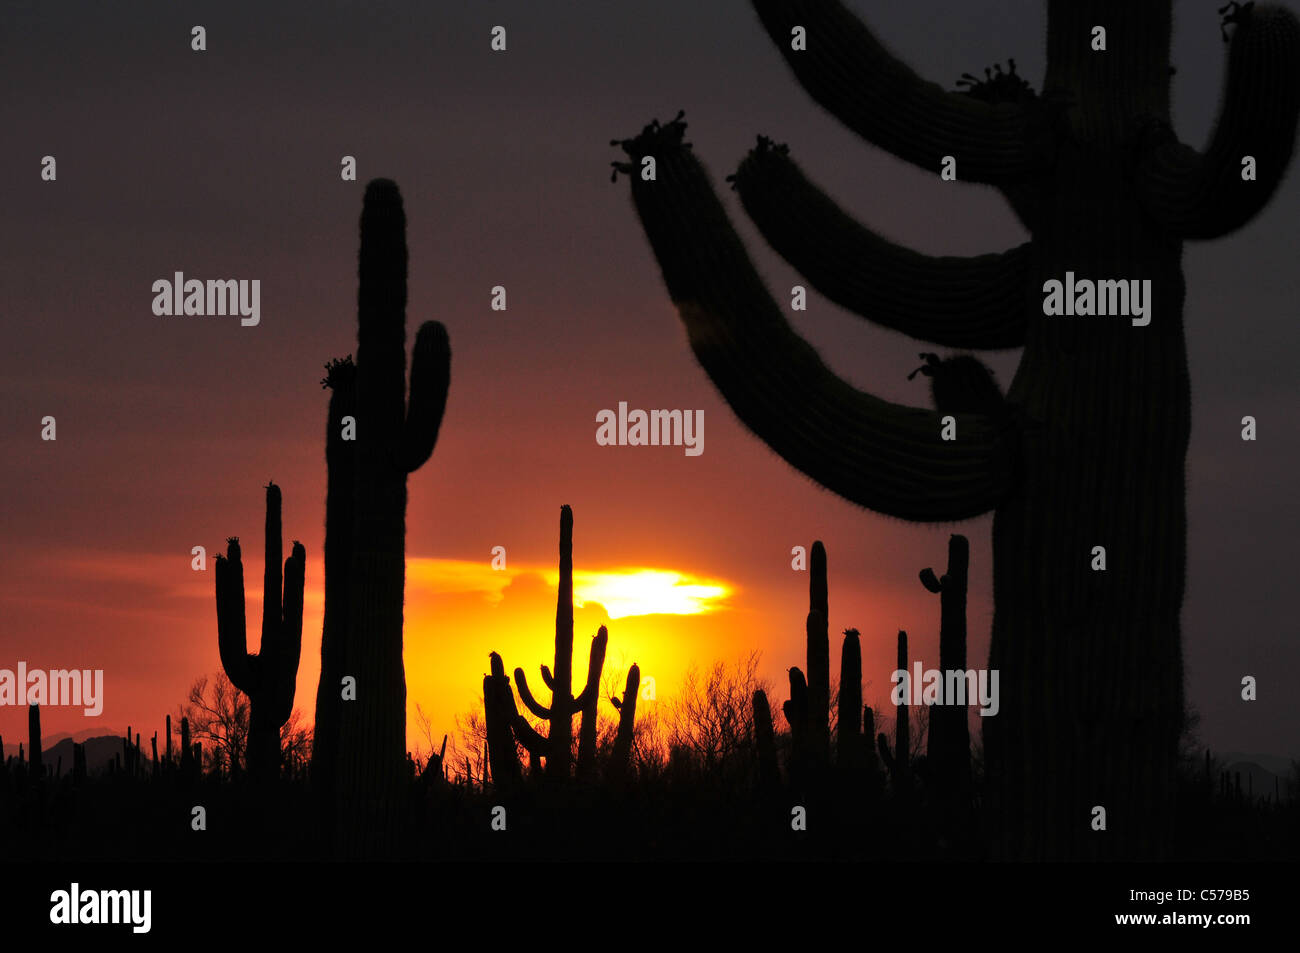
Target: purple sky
225	164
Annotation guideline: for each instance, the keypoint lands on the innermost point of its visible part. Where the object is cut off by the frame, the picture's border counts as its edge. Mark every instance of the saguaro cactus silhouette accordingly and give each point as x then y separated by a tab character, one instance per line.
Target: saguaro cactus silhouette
500	714
808	710
620	761
363	767
899	761
34	741
557	746
267	678
1092	449
948	745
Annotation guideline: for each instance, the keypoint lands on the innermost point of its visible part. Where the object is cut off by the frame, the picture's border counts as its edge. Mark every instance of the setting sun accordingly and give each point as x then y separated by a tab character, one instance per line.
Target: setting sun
628	592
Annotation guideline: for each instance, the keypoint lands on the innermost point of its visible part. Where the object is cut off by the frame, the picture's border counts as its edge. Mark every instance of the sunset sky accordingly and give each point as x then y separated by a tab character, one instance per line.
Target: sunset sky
225	164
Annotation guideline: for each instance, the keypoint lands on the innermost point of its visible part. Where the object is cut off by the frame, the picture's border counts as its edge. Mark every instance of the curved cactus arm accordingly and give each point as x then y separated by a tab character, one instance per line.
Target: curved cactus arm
886	457
980	302
847	70
430	381
232	637
528	736
526	696
930	580
547	677
1202	195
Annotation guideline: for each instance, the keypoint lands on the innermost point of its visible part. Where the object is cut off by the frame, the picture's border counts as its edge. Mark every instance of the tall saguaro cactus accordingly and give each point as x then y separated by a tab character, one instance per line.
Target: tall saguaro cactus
948	746
361	768
808	710
899	761
267	678
557	746
34	741
1091	448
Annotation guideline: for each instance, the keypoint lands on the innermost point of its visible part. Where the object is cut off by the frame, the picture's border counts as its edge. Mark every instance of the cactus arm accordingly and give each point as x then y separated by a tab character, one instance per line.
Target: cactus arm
1202	195
526	696
430	380
883	456
596	662
271	594
979	302
930	580
528	736
547	677
232	641
295	572
851	74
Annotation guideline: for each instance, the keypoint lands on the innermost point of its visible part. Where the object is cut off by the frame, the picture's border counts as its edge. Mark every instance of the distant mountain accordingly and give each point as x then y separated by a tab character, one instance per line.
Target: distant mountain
10	748
1269	762
1256	780
99	752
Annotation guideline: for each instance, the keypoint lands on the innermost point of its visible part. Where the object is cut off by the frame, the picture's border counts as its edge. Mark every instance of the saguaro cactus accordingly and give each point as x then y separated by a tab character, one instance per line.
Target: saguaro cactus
769	775
361	764
848	734
808	710
340	506
1091	662
621	758
500	713
34	741
564	705
948	747
269	677
899	760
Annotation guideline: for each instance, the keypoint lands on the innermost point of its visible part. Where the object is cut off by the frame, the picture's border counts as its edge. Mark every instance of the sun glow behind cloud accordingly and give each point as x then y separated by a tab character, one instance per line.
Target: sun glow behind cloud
623	591
642	591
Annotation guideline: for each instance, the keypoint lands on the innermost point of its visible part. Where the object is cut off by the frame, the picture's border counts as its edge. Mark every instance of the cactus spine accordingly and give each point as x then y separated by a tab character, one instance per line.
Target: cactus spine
267	678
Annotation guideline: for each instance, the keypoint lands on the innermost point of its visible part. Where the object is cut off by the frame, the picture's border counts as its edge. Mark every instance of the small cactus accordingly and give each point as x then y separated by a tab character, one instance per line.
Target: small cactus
268	678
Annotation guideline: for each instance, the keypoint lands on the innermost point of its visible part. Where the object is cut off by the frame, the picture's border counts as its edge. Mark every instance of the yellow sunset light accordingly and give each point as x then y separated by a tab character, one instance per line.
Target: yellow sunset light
630	592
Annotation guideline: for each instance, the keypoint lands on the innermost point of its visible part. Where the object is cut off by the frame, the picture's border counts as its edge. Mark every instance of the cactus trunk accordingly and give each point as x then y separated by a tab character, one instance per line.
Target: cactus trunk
394	437
34	741
948	748
500	713
848	737
621	759
769	775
